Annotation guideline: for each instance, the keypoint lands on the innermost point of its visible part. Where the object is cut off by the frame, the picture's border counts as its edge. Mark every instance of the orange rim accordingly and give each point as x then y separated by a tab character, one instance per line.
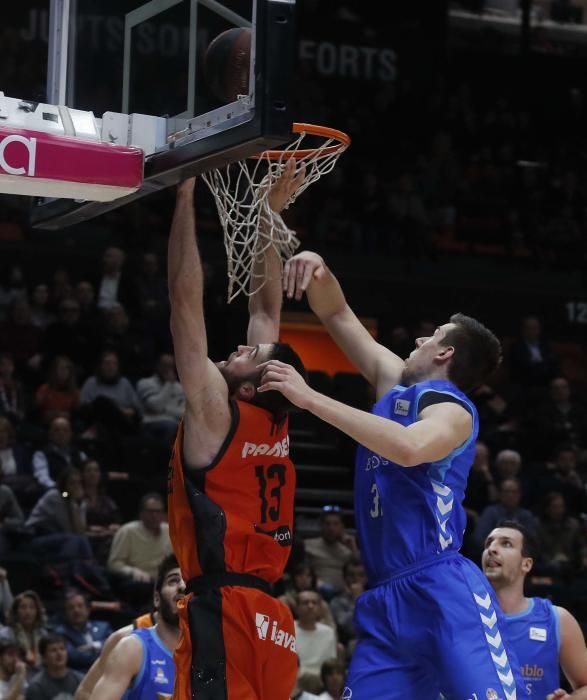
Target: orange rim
325	132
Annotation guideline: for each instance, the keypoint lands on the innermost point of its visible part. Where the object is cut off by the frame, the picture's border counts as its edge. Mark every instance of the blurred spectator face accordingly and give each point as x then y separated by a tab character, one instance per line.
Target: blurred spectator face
502	560
153	514
55	658
8	659
109	367
166	368
481	456
60	432
6	367
117	319
355	575
507	464
73	485
560	391
91	473
331	527
27	612
510	494
303	580
76	611
556	508
20	312
308	607
40	295
69	312
334	682
566	462
85	293
531	329
150	265
63	371
112	261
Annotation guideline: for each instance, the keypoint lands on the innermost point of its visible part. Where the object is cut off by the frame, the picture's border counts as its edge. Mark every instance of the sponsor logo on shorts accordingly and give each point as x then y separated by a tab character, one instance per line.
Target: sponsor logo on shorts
282	535
268	630
278	449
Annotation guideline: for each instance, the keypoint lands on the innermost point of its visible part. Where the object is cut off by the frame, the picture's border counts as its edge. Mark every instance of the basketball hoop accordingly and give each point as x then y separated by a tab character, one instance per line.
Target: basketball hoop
241	192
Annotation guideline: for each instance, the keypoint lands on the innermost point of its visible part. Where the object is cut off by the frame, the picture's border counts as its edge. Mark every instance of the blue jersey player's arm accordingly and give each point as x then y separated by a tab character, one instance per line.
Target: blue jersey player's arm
124	663
307	272
439	430
572	657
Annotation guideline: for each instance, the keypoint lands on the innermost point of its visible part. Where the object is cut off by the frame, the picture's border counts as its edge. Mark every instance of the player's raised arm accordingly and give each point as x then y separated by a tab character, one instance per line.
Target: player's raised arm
308	272
207	418
266	287
123	664
89	681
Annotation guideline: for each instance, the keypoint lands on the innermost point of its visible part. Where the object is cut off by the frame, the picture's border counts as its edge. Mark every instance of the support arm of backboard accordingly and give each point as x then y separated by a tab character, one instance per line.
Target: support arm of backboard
58	45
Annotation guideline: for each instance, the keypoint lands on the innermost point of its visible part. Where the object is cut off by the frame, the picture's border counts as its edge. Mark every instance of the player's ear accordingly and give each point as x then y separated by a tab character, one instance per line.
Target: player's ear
246	391
445	352
527	564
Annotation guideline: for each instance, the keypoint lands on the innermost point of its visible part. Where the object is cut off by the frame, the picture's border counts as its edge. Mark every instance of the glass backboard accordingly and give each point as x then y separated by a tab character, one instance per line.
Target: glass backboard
132	56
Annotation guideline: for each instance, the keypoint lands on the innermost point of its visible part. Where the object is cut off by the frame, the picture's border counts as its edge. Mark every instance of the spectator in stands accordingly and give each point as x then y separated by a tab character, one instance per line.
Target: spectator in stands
61	287
507	508
102	514
304	579
332	674
56	681
532	361
134	350
508	464
138	548
14	463
328	553
12	399
71	337
6	597
19	336
84	638
315	642
151	288
298	694
12	671
481	489
560	418
11	519
41	317
28	621
60	394
14	288
163	400
496	420
562	542
85	295
343	604
109	401
562	476
114	287
58	455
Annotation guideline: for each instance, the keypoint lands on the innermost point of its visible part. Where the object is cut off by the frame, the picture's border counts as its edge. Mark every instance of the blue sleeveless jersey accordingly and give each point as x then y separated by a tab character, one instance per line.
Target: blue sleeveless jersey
157	675
535	637
405	515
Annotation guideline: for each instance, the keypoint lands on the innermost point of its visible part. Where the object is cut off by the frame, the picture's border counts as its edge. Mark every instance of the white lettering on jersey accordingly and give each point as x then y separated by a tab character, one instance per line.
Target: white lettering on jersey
278	449
280	638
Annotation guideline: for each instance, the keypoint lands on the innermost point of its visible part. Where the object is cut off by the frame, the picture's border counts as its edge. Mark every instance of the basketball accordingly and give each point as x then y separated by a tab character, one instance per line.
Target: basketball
226	64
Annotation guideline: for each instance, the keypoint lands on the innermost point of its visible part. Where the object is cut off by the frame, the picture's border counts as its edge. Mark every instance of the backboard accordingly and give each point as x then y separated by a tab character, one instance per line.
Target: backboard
147	57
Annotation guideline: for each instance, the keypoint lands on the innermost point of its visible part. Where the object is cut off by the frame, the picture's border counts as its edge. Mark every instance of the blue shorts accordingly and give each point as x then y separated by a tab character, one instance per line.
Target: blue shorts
433	628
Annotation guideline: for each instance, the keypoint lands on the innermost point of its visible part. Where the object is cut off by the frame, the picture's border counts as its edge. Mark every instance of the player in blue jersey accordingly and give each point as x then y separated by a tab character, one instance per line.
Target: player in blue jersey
429	620
544	636
141	666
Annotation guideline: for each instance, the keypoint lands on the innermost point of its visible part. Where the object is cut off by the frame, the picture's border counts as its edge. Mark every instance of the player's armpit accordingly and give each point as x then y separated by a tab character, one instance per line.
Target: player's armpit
573	654
123	664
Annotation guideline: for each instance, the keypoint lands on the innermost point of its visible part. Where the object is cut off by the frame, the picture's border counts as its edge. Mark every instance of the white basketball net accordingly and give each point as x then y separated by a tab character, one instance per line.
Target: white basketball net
250	226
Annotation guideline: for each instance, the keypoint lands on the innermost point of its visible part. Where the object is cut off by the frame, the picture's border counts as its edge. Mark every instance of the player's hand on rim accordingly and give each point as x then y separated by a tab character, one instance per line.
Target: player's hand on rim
286	185
279	376
299	271
186	187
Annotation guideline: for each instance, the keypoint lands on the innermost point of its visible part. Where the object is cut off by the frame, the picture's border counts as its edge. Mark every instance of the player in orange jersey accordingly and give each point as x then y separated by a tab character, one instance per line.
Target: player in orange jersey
231	485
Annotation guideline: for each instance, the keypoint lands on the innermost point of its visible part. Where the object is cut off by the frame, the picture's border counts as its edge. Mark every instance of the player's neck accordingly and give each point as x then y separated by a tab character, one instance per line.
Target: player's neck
309	625
512	600
167	634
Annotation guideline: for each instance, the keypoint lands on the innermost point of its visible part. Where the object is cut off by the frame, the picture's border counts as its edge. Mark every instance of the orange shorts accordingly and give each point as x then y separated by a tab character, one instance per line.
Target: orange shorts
236	643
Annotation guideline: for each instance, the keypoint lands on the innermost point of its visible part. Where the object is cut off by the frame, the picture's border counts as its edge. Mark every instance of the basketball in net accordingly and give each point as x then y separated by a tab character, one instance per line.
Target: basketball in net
227	64
241	192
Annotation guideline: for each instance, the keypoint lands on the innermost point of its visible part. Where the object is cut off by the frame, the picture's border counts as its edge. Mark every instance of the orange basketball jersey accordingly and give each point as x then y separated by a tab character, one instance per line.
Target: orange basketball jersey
146	620
235	515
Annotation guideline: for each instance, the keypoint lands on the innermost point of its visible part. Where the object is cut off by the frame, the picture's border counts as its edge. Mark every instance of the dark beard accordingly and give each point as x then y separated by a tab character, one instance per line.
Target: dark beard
168	613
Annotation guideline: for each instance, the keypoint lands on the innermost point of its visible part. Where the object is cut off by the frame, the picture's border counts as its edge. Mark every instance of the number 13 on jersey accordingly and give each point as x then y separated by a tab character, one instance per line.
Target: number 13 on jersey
376	510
